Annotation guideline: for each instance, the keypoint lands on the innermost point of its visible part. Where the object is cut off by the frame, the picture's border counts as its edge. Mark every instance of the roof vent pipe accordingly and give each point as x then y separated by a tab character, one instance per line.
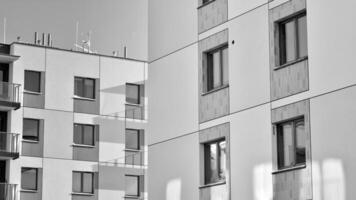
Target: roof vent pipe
36	38
43	39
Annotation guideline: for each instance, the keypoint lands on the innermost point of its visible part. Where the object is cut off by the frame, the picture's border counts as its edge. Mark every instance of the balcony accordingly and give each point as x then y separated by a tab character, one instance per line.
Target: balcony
8	191
134	111
9	145
5	56
9	96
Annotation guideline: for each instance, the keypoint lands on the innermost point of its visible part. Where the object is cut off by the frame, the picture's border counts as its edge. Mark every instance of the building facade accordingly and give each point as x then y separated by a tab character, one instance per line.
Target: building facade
251	99
72	125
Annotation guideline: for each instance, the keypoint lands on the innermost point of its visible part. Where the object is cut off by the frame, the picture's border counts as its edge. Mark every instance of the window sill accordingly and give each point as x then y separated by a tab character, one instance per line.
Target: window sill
31	92
131	197
83	98
215	89
82	194
212	184
133	104
83	145
290	63
30	141
302	166
205	4
132	150
28	191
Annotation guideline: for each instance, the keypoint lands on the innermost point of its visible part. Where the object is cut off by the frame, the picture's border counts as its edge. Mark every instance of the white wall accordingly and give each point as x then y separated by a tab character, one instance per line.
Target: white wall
249	60
174	169
173	95
238	7
171	25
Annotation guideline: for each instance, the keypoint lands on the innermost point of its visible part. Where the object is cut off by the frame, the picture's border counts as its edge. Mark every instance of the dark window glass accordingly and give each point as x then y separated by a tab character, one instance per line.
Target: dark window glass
83	182
31	129
206	1
132	139
84	134
29	178
132	93
217	68
32	81
293	39
84	87
132	185
291	139
215	161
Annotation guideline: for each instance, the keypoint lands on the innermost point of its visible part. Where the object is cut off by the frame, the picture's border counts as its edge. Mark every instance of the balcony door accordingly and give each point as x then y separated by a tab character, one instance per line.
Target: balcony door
3	130
2	179
4	79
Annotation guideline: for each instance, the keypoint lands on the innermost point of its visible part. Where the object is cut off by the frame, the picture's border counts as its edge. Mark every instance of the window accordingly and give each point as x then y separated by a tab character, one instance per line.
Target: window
32	81
293	39
206	1
132	139
132	185
291	139
215	161
84	87
83	182
29	178
217	68
84	134
132	93
31	129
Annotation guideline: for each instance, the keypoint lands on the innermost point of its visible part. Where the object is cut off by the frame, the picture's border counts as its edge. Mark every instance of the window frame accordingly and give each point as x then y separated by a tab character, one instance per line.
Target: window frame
39	81
82	182
83	133
38	129
282	48
207	167
83	86
138	185
210	67
138	94
280	143
36	183
138	139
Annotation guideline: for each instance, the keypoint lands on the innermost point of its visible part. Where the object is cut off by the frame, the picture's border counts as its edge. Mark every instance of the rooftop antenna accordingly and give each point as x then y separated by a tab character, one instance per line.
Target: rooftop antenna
76	35
4	30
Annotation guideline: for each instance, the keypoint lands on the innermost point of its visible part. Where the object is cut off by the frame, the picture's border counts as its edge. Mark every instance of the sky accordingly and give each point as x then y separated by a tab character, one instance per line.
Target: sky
113	23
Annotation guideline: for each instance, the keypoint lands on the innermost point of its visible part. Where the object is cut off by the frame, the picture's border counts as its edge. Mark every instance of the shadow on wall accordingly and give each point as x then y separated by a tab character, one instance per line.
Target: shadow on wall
329	180
174	189
262	182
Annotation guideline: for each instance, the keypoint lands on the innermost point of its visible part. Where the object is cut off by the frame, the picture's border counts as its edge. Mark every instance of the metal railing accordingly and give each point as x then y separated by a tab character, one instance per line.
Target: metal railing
10	92
134	111
8	191
9	142
134	157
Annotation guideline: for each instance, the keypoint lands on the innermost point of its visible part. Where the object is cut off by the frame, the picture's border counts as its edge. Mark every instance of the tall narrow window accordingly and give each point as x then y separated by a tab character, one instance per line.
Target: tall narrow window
293	39
84	134
291	138
29	178
31	129
132	139
132	187
32	81
217	68
215	161
83	182
132	93
84	87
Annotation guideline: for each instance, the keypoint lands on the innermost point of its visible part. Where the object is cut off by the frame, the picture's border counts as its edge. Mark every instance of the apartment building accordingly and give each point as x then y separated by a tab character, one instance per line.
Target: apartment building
72	125
251	99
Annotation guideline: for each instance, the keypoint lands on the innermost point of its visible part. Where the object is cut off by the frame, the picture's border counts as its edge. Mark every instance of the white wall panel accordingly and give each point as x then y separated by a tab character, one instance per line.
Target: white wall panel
173	95
248	60
238	7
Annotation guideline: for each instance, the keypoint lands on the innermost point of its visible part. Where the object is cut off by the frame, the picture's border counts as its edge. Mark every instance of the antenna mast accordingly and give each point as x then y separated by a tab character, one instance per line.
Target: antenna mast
76	35
4	30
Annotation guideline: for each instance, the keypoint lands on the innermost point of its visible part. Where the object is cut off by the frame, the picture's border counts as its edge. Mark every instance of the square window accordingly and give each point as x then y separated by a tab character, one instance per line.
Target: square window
132	93
291	143
32	81
217	68
83	182
293	39
215	161
29	178
84	134
132	139
132	185
84	87
31	129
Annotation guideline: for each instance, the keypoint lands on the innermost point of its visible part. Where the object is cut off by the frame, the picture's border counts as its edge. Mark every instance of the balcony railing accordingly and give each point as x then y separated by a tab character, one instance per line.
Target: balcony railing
9	145
4	49
134	111
8	191
10	93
